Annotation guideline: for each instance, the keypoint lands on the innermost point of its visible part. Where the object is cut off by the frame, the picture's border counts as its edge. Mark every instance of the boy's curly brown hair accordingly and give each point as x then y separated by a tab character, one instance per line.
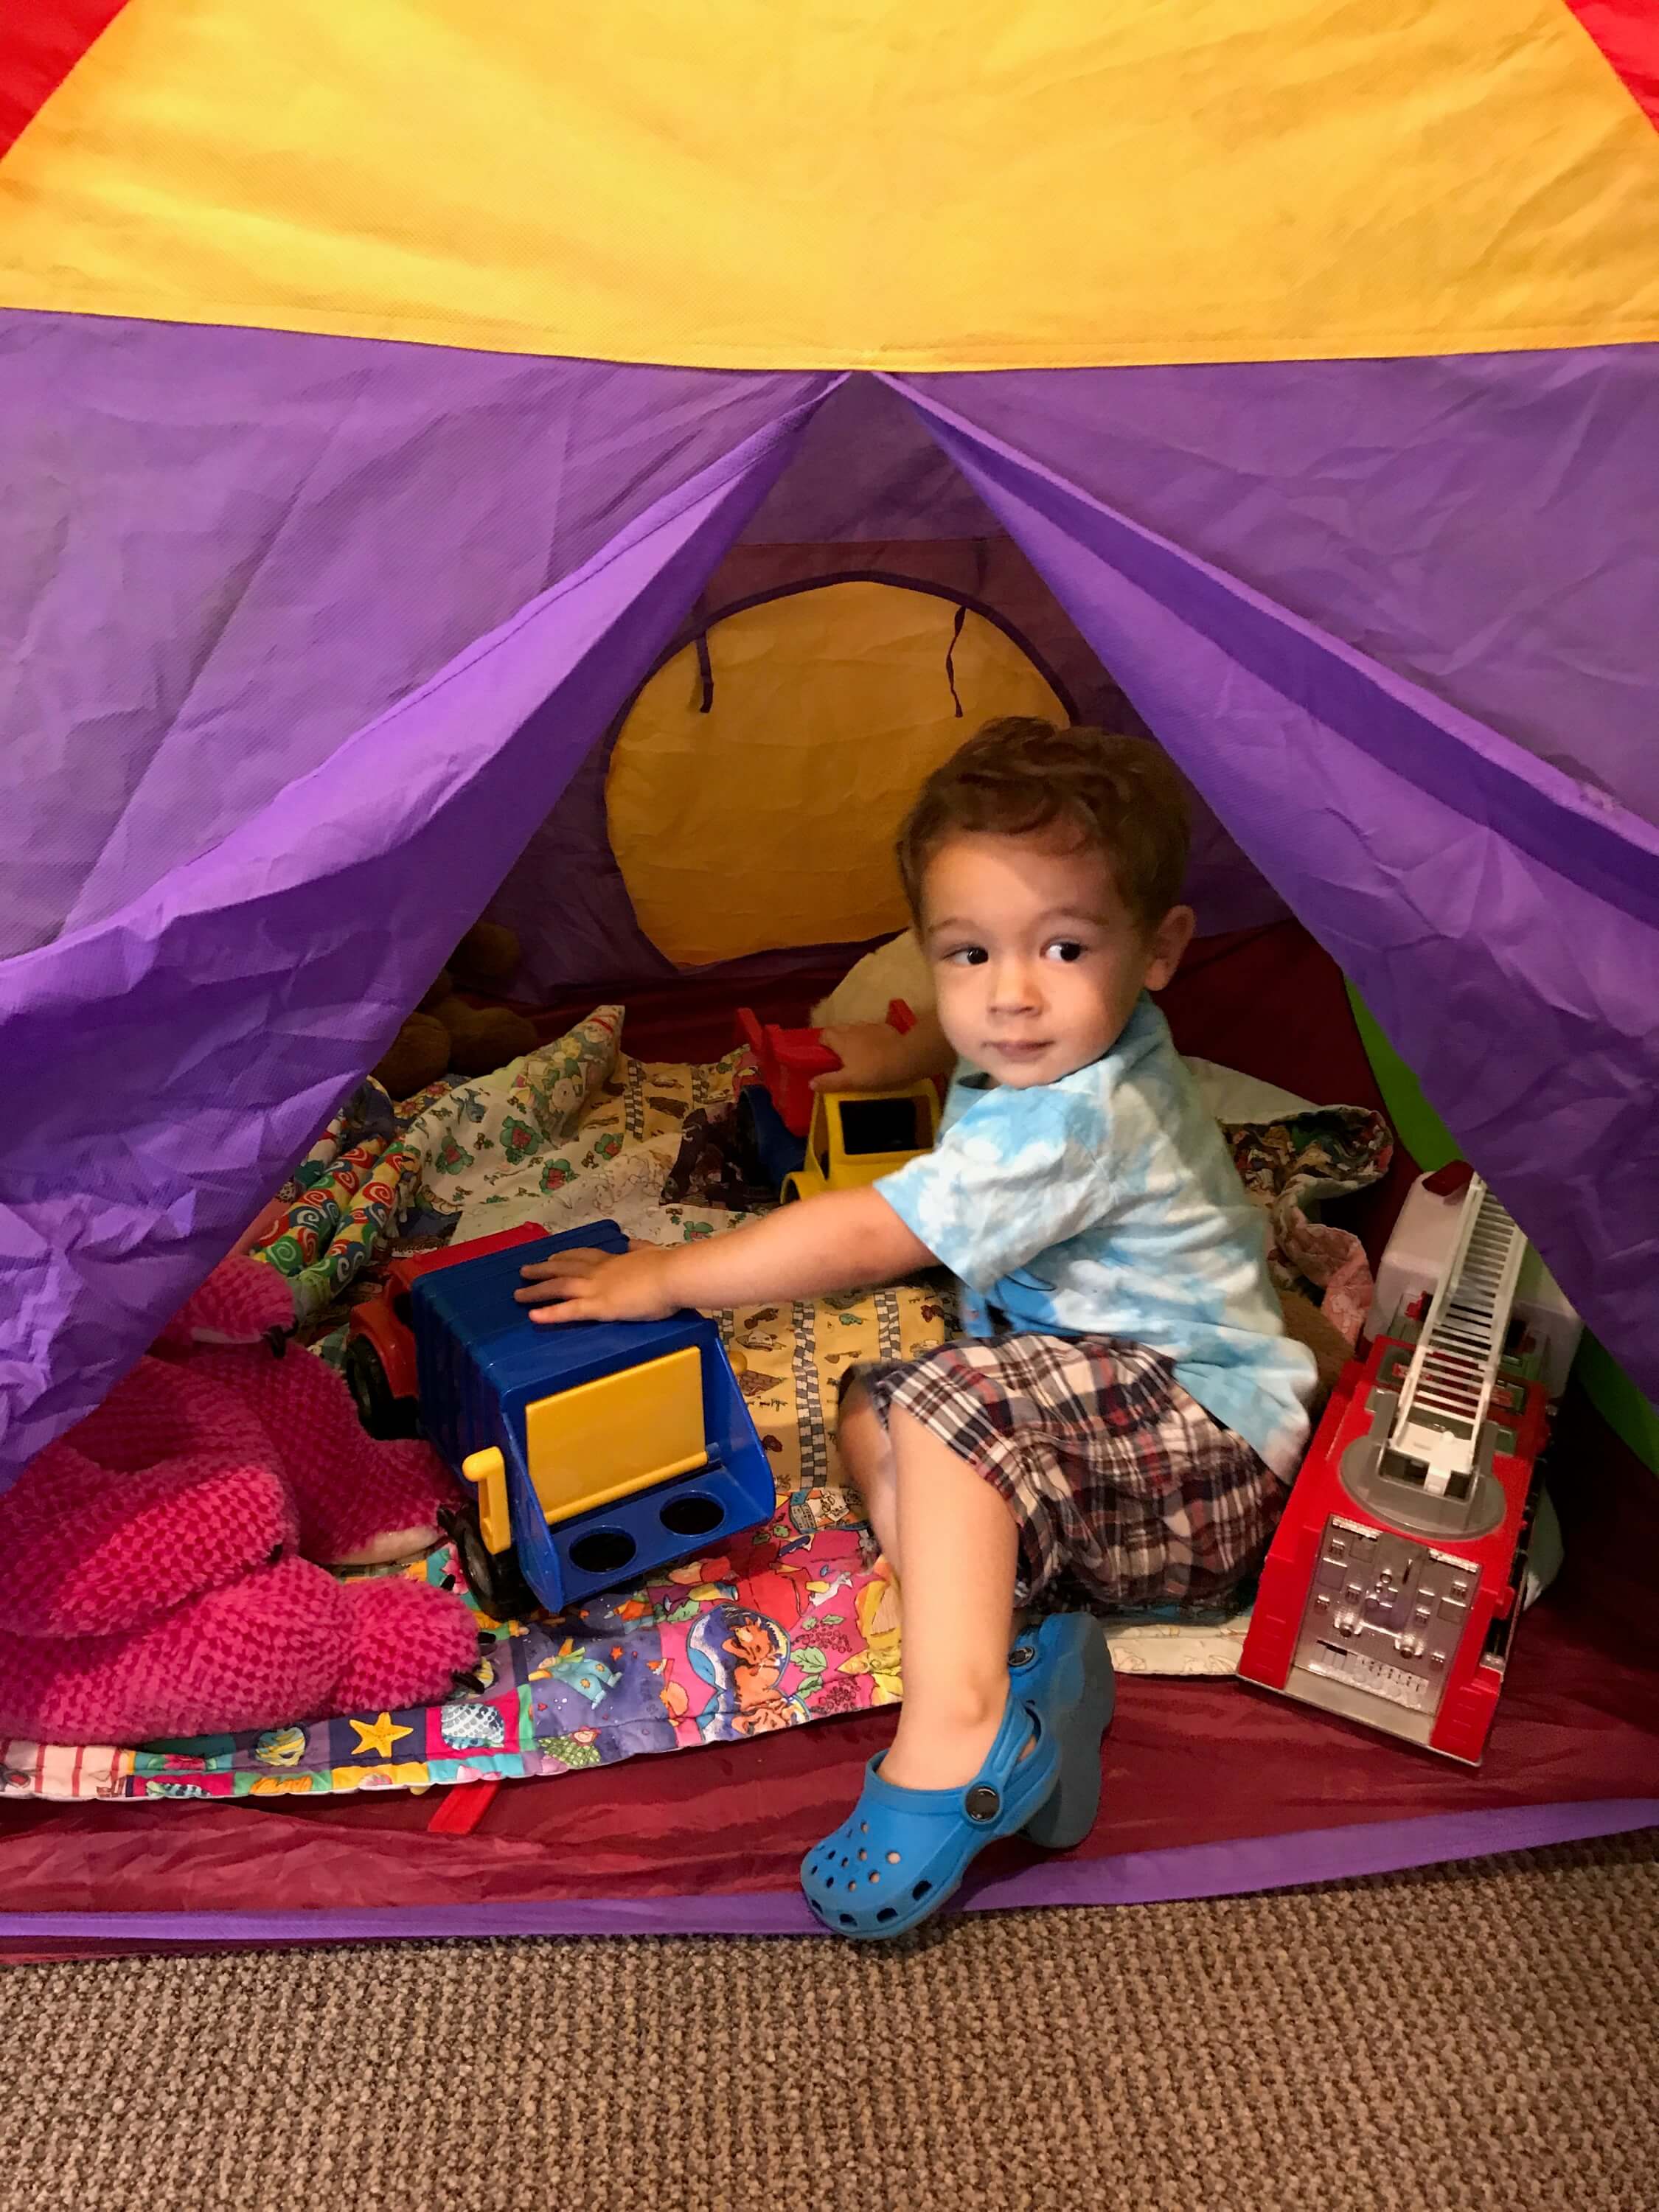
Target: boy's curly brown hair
1020	775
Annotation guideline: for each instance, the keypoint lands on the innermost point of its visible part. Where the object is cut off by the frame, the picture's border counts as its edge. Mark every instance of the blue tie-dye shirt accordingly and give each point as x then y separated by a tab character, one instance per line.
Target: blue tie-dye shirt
1106	1205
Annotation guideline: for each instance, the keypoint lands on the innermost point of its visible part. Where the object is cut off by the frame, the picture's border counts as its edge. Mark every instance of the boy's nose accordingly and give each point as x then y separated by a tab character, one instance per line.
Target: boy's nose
1014	986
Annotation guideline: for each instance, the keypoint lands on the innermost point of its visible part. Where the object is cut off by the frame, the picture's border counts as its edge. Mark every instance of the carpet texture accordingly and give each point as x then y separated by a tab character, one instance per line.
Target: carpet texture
1473	2036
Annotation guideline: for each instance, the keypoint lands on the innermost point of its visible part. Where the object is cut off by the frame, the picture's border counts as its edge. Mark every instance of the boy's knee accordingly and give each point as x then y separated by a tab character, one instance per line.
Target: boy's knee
857	1415
854	1399
861	1436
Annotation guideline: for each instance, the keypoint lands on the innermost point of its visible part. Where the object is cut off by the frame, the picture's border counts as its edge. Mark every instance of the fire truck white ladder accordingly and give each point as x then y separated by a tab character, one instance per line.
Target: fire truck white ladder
1450	1382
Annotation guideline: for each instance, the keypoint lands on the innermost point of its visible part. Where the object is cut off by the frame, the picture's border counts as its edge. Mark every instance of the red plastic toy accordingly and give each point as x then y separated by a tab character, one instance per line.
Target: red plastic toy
380	1353
1374	1603
786	1060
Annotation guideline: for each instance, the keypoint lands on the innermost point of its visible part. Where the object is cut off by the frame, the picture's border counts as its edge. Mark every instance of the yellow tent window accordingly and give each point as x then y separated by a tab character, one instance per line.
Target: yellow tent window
768	820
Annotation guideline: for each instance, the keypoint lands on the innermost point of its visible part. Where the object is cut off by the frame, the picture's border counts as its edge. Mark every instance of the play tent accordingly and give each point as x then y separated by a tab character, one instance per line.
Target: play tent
586	463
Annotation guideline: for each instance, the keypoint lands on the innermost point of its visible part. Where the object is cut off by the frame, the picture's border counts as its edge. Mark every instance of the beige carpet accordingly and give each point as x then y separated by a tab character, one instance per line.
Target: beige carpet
1471	2037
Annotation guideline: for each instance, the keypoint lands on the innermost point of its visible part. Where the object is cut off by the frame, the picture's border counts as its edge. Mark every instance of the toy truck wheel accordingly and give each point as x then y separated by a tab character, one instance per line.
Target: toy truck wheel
381	1414
493	1577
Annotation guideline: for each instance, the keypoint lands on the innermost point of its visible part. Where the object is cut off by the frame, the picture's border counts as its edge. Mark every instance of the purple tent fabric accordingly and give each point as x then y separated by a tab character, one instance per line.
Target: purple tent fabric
223	551
1502	922
189	1046
867	471
1482	525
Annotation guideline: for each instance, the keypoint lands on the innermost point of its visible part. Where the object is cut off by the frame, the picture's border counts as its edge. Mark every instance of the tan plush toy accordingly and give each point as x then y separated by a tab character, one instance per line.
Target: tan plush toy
1305	1324
446	1035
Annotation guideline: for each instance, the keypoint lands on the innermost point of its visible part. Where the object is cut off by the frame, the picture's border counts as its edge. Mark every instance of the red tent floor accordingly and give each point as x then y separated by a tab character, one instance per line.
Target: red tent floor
1210	1788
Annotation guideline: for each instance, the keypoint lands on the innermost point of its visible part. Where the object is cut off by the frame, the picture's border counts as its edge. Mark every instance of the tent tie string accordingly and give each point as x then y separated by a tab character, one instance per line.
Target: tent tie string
705	673
950	660
703	615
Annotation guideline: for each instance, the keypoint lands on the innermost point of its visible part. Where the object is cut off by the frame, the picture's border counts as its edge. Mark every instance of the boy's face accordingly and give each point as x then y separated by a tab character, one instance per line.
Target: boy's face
1037	961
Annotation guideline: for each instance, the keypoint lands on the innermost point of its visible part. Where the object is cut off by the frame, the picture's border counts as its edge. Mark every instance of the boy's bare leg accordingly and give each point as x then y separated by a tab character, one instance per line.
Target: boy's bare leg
867	1460
961	1550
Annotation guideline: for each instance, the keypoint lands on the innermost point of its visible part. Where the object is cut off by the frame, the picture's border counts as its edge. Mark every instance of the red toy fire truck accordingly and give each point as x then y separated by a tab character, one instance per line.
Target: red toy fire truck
1392	1590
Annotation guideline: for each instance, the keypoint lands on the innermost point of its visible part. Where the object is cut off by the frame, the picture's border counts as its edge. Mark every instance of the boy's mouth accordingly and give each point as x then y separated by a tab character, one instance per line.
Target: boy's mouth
1022	1050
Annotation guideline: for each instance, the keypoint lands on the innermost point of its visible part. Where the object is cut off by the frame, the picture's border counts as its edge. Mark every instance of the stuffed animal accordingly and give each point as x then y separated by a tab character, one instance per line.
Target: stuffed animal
1304	1324
446	1035
897	970
163	1565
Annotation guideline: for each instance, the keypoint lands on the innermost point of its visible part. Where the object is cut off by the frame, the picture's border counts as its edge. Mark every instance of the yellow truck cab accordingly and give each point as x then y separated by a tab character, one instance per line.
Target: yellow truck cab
857	1137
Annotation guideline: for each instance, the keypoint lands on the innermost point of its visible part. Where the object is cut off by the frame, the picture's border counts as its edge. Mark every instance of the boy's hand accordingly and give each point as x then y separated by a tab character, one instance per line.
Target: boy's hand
874	1056
631	1285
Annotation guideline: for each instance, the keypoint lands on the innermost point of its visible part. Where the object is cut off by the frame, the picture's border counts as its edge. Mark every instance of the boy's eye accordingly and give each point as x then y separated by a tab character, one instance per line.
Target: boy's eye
1064	948
967	956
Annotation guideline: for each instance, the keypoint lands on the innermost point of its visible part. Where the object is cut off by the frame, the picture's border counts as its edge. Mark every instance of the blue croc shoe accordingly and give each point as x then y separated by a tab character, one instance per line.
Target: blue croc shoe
1064	1668
904	1851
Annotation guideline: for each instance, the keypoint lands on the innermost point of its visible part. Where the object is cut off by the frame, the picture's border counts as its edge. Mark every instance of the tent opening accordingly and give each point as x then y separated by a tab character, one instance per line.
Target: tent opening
674	772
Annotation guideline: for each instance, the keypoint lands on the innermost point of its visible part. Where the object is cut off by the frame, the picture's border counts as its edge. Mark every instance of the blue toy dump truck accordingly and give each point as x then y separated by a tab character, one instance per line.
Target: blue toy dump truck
597	1451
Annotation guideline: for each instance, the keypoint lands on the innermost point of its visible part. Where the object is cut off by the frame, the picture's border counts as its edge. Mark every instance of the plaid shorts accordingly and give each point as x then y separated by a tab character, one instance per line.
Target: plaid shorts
1126	1492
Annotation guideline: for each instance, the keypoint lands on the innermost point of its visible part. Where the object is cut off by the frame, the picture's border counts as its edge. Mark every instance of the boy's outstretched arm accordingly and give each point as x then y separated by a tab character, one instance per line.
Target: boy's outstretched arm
839	1240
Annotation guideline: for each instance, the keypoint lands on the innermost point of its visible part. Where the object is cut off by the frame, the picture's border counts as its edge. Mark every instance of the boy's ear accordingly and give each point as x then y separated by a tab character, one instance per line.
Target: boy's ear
1170	941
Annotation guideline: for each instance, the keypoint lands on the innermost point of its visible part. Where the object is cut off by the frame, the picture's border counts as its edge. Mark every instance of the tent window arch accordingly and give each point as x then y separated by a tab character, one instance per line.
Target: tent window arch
759	778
